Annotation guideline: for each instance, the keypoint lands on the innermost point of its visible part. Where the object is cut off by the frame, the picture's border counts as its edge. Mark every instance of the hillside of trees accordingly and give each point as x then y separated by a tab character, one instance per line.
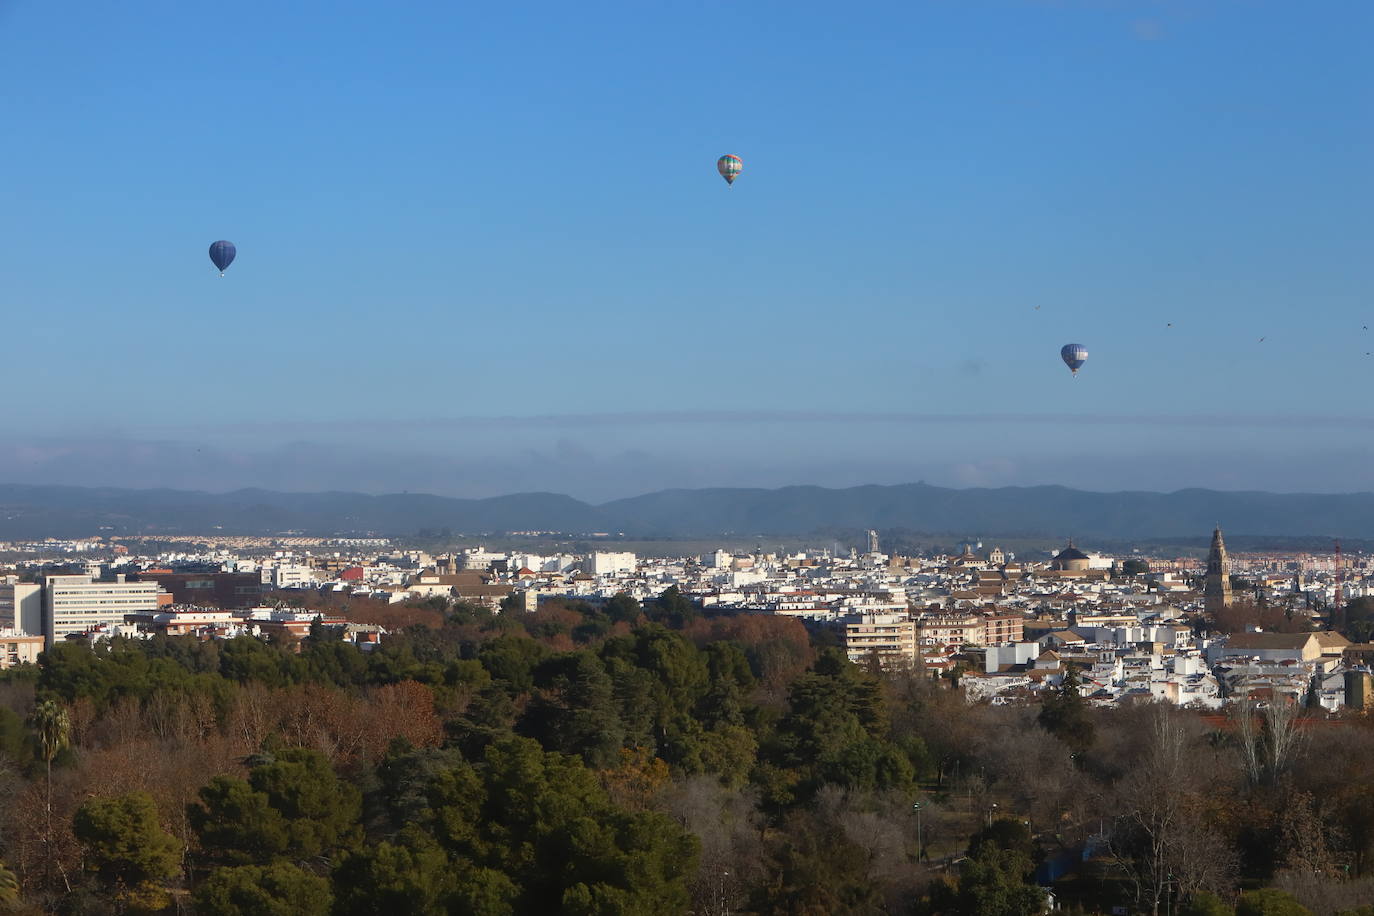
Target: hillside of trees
628	759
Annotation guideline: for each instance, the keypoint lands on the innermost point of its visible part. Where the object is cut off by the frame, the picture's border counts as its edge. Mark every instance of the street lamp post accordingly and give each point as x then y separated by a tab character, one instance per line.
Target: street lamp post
990	810
917	808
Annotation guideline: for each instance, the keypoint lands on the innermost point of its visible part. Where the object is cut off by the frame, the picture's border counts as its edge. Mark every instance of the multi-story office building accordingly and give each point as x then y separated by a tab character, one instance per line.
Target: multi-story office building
75	604
289	575
219	589
21	606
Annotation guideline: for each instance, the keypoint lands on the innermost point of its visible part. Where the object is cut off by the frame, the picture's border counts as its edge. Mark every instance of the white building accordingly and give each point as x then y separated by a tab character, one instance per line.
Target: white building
720	559
478	558
608	564
75	604
289	575
1016	653
21	606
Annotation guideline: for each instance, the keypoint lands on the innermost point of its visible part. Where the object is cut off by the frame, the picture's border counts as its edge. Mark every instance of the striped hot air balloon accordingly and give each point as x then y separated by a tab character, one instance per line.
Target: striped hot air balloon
729	167
222	254
1074	356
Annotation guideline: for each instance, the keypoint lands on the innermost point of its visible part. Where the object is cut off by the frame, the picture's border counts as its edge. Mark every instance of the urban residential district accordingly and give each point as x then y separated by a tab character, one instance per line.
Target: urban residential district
1263	627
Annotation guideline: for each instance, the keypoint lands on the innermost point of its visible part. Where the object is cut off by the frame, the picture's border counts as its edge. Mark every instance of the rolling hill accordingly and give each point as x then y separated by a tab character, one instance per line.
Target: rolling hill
51	511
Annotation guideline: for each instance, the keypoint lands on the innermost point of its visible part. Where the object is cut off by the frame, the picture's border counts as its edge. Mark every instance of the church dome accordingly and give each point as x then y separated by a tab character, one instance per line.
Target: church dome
1070	559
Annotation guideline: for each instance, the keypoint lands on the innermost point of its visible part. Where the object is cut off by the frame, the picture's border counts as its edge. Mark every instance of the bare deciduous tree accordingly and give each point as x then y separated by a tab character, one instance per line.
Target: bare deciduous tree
1269	739
1161	837
731	831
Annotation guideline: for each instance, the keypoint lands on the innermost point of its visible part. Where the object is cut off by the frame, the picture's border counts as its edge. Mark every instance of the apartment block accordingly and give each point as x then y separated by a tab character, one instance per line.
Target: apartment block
1000	629
18	648
950	630
891	636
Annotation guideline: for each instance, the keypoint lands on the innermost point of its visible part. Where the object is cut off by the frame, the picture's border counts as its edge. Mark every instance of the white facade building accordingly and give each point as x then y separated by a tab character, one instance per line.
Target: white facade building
289	575
478	558
719	559
608	564
75	604
21	606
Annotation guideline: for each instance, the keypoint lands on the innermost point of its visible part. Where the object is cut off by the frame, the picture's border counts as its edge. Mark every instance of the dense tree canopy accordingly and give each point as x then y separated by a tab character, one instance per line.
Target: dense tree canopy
279	889
626	758
127	847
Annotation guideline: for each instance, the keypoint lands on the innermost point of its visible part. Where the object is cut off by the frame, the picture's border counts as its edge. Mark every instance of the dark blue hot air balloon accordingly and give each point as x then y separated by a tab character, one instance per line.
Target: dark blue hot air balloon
222	254
1074	356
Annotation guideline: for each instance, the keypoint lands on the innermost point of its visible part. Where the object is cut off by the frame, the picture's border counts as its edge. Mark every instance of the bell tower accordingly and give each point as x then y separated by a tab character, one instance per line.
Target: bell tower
1217	592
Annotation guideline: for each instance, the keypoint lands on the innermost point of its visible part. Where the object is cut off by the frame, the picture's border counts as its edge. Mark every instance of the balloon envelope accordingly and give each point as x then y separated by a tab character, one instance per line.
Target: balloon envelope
729	167
222	254
1074	356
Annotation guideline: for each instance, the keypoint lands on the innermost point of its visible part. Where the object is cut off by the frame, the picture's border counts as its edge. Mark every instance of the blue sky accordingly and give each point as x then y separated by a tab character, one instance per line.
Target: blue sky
484	247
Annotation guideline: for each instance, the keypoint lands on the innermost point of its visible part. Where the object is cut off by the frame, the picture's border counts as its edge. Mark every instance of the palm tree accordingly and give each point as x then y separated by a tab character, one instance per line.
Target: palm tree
53	726
9	888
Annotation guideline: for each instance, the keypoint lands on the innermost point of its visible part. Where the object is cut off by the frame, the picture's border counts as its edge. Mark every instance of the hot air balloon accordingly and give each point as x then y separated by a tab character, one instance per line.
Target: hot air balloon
222	254
1074	356
729	168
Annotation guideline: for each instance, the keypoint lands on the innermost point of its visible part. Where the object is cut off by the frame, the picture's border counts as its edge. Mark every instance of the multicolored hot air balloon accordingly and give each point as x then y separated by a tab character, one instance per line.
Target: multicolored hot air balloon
222	254
1074	356
729	167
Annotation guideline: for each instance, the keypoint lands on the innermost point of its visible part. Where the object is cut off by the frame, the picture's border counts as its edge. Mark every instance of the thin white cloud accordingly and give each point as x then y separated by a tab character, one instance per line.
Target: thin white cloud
646	418
1149	29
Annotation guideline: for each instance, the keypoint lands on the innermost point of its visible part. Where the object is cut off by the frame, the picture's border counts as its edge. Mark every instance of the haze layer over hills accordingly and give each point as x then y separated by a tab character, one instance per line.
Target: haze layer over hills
48	511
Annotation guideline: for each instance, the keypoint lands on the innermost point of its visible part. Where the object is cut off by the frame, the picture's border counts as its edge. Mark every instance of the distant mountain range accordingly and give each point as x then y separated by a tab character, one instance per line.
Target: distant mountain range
50	511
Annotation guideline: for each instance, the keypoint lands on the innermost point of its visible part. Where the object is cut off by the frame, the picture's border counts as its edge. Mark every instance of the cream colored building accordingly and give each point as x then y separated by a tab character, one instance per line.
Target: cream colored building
950	630
891	636
18	648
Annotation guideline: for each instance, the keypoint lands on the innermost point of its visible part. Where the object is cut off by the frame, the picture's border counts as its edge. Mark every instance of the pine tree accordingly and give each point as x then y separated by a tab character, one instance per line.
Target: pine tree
1065	714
